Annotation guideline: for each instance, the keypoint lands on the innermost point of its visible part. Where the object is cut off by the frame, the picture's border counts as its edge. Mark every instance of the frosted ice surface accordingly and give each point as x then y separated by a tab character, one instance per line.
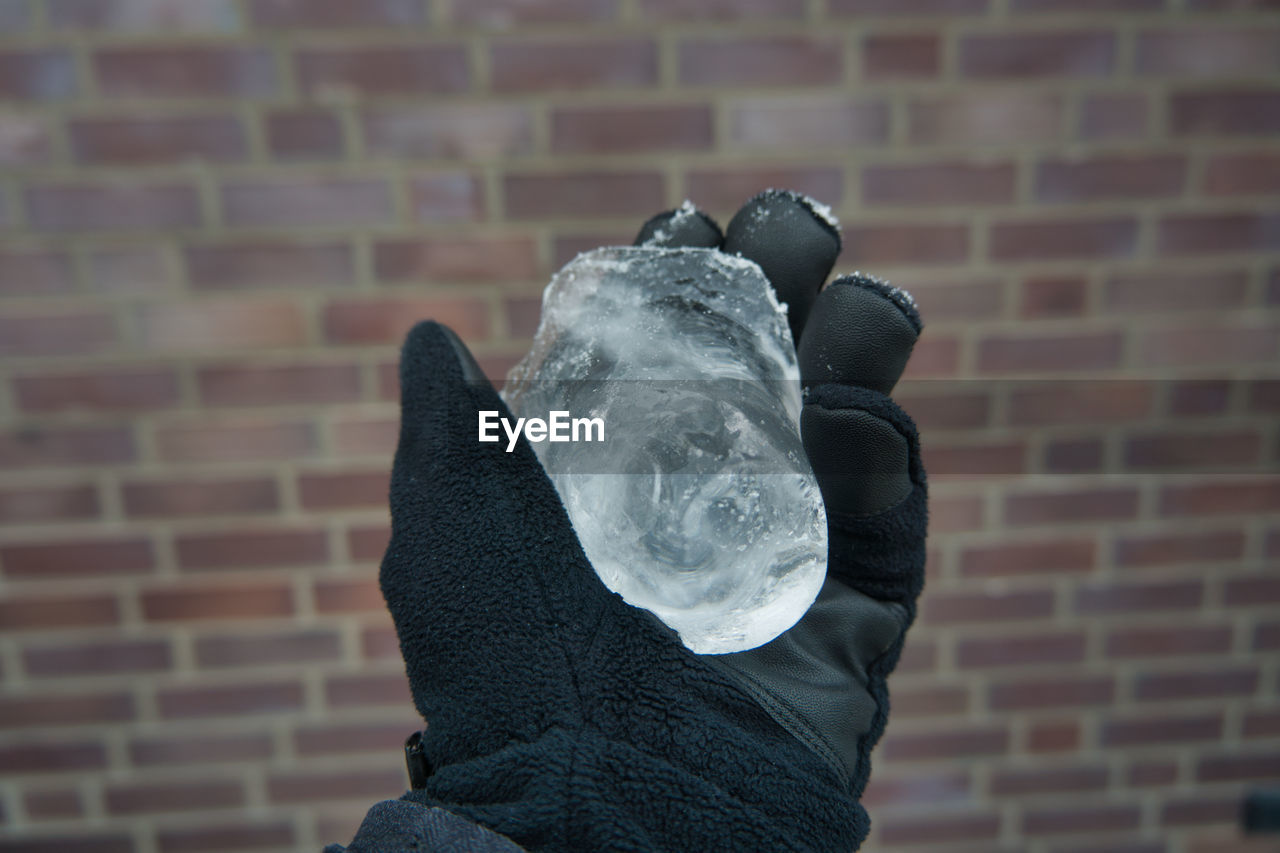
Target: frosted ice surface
700	504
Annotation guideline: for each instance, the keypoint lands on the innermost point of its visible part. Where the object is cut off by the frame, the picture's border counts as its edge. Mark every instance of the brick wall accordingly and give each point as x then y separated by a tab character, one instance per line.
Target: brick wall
219	217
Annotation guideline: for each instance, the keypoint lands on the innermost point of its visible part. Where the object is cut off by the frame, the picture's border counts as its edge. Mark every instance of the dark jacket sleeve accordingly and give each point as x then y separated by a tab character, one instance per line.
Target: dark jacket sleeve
393	826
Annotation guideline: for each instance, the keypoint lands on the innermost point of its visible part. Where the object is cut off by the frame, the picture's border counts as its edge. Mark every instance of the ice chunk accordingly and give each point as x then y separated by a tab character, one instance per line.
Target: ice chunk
700	504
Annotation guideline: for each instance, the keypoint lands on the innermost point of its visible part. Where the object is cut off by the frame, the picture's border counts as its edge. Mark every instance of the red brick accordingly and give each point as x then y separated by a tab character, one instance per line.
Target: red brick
564	248
28	613
1113	116
1249	173
1203	233
1147	730
134	269
501	14
75	843
1057	507
1051	736
221	836
1261	724
258	265
137	389
1199	451
368	543
446	197
1225	112
25	140
940	827
220	324
85	558
244	650
1049	353
278	696
1184	641
976	459
348	691
1205	51
190	71
930	701
304	134
1088	5
144	16
1071	402
235	440
1230	497
343	490
53	757
152	798
1053	296
244	549
1021	650
1264	395
631	129
942	298
1217	683
366	436
347	595
1147	774
460	258
581	195
718	10
1238	768
1201	809
33	447
1205	344
1081	818
1193	397
960	741
947	410
303	14
859	8
1063	239
1100	599
383	70
387	738
34	504
809	120
449	131
1073	456
148	141
761	61
907	244
191	602
728	188
302	202
939	184
57	805
120	207
1056	692
36	272
187	749
389	320
1029	558
932	788
955	514
1010	782
1145	292
378	644
1024	55
891	57
65	709
281	385
342	784
44	74
98	658
56	334
987	606
1097	178
531	65
1232	5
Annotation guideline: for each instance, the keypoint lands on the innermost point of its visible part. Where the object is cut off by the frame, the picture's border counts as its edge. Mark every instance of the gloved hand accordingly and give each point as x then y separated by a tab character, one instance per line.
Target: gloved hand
565	719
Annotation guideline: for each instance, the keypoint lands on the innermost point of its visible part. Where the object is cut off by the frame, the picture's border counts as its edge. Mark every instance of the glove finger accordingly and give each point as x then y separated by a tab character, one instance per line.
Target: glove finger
860	332
794	240
683	228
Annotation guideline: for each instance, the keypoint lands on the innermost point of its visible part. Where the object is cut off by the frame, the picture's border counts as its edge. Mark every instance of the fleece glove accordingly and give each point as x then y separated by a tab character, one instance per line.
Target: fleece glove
562	718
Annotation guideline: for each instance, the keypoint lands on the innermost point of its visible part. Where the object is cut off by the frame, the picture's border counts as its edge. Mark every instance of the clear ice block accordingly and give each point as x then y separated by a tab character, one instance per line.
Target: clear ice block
699	504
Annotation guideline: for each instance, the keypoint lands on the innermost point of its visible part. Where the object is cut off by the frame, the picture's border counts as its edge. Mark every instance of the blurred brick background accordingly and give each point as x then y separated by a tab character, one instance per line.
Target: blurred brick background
219	217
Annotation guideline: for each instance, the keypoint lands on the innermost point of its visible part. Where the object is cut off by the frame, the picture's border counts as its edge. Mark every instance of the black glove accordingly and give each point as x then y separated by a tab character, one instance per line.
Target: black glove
563	718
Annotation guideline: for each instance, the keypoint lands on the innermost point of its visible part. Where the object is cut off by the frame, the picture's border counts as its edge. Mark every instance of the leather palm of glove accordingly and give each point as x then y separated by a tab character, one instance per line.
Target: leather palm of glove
563	718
